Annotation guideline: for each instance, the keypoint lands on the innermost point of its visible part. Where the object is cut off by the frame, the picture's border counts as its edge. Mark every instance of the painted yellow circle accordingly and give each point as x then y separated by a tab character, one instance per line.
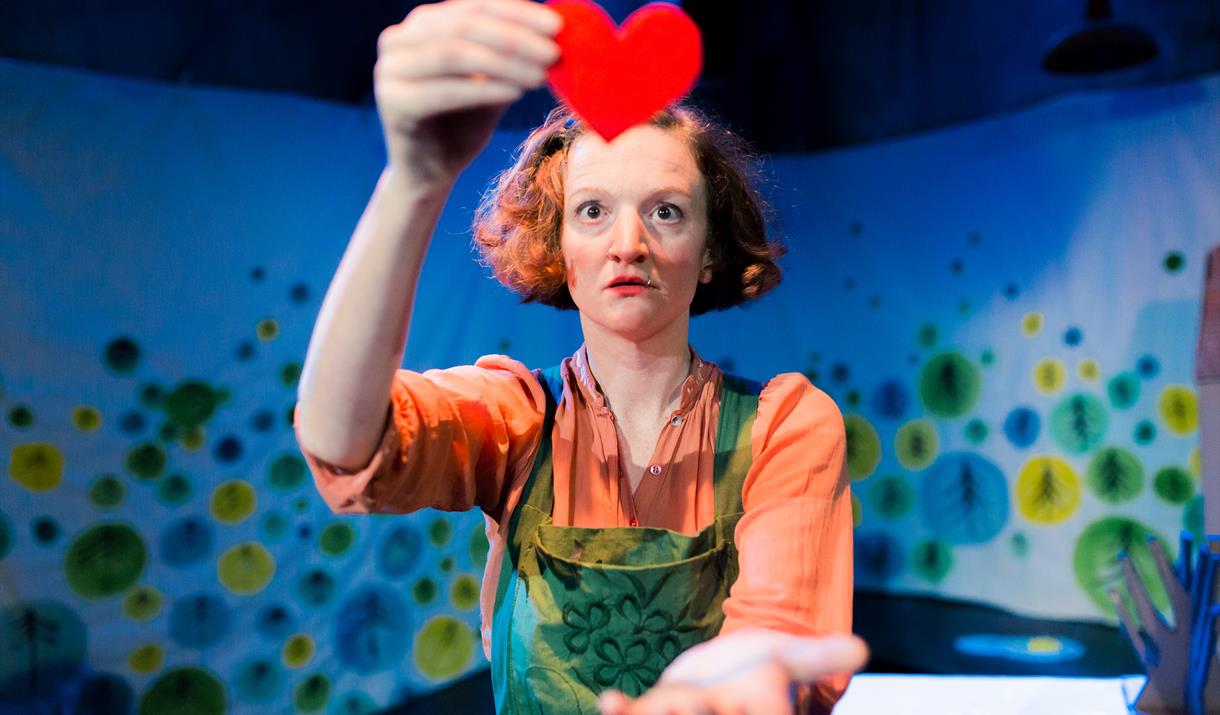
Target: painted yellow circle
233	501
1049	375
1031	324
1179	409
298	651
194	439
37	466
1044	644
86	418
146	659
246	569
1047	490
268	329
1088	369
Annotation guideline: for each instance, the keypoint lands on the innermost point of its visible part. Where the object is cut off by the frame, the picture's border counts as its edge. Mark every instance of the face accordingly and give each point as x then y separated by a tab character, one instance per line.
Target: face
635	211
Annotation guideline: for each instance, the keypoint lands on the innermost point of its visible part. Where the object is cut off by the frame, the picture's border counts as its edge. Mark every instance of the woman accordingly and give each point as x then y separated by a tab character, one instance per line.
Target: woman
639	503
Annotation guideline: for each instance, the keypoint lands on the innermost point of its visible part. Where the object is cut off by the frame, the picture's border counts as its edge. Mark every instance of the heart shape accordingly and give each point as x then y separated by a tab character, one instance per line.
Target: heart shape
615	78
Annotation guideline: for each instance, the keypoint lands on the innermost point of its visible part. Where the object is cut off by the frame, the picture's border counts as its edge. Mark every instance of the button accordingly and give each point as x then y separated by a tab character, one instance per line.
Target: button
654	470
676	421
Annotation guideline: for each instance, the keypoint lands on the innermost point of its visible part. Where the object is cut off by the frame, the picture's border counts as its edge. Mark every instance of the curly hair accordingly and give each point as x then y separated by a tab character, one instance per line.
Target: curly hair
518	221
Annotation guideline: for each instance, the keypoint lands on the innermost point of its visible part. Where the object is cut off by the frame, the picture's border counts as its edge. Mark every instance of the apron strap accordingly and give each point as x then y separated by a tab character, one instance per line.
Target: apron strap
738	406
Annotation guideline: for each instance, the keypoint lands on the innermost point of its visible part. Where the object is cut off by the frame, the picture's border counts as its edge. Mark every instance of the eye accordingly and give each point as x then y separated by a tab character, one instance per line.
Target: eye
590	211
668	213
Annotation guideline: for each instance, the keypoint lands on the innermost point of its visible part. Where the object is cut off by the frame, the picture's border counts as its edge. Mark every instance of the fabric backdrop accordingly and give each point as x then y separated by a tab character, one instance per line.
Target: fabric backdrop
1006	313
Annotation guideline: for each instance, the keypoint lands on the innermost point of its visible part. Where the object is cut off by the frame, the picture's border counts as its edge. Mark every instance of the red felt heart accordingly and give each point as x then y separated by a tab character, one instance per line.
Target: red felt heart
615	78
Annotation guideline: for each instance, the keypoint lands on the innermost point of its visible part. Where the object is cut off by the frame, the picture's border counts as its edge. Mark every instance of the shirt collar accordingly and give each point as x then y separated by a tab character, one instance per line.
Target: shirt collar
701	373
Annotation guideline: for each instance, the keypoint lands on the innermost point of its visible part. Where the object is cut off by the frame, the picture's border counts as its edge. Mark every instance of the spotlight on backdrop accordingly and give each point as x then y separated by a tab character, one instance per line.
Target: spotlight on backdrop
1101	44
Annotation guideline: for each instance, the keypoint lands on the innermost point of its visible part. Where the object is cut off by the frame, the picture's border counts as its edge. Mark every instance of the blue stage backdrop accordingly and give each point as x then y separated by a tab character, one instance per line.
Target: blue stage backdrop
1006	313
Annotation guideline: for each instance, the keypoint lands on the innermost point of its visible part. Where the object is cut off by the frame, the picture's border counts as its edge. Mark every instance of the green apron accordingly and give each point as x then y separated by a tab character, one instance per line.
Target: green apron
581	610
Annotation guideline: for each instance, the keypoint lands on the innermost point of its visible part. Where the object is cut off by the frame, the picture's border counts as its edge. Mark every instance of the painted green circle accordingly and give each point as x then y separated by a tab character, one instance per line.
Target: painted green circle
146	461
1123	390
1174	485
233	501
273	526
891	497
987	357
290	373
311	694
916	444
152	396
1174	261
6	535
444	648
185	691
927	335
142	603
191	404
863	447
106	491
37	466
1144	433
268	329
1115	475
976	431
424	591
174	490
439	532
1192	517
336	538
298	651
192	439
300	505
21	417
447	564
1019	543
1079	423
464	594
121	356
246	569
949	385
1096	565
286	472
86	418
478	548
932	560
104	560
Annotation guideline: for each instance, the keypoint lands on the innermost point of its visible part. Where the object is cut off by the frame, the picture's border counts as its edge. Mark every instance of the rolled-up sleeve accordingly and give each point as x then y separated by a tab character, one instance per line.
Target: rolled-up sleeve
794	542
452	439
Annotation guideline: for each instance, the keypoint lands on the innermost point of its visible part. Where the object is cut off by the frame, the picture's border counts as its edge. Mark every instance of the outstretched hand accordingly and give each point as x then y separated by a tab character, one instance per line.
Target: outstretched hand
749	671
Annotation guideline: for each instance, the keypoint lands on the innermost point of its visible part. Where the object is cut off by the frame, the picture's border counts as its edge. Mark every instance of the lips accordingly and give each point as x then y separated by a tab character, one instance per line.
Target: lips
628	281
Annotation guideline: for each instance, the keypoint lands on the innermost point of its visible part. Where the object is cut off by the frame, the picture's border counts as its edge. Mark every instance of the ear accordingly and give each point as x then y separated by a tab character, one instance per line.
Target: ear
705	274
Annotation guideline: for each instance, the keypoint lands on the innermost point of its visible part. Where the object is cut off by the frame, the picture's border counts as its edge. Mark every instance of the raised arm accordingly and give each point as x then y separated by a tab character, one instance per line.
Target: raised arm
444	77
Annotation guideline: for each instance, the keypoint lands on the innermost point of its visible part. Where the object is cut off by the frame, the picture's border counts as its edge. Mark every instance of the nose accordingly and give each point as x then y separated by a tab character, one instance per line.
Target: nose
627	239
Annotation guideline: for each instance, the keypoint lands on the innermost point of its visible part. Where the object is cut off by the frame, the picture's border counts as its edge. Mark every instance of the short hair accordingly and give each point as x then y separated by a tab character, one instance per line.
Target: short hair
519	219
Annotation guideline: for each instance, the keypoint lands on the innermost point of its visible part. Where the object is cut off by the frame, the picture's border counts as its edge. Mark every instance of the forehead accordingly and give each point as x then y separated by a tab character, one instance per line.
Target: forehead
645	157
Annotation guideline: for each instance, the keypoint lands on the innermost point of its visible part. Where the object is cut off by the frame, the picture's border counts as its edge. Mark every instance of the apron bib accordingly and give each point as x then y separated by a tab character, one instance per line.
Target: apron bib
581	610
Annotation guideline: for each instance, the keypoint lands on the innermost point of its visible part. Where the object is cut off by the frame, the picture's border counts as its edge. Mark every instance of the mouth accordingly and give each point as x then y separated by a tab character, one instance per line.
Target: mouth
628	282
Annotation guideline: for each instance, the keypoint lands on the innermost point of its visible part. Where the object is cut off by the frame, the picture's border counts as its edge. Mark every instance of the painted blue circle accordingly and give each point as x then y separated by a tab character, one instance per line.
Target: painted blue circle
262	421
132	423
187	541
891	400
228	449
399	552
275	622
1011	291
259	681
104	694
964	498
1148	367
315	587
1072	337
273	526
369	628
199	621
839	372
878	556
245	350
1022	426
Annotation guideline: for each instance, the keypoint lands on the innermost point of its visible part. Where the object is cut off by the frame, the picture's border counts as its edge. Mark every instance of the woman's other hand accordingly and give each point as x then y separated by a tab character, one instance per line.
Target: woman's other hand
747	672
446	73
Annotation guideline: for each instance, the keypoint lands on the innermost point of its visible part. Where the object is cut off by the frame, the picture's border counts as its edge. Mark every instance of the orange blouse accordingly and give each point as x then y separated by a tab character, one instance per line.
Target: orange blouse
466	436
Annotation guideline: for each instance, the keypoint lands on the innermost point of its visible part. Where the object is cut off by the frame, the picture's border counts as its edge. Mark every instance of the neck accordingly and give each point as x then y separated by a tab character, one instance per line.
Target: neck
641	379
